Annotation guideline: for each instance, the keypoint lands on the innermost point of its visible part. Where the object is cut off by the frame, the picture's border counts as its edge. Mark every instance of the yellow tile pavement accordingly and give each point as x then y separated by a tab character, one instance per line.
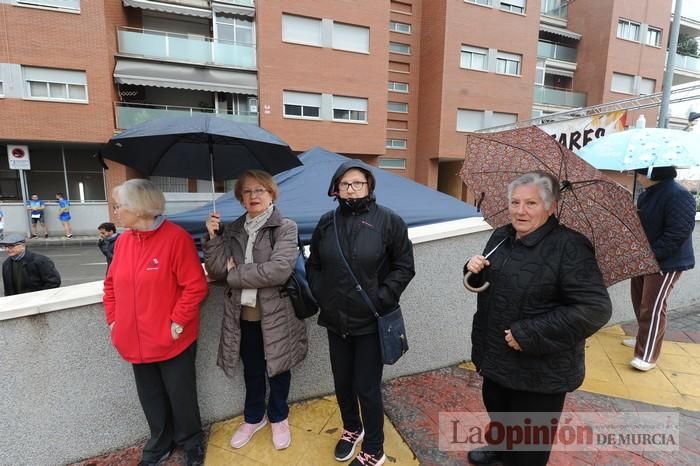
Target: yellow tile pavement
315	427
675	382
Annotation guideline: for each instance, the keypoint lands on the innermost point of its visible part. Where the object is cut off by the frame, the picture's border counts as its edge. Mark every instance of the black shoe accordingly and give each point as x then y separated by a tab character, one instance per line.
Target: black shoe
195	456
158	461
484	456
345	447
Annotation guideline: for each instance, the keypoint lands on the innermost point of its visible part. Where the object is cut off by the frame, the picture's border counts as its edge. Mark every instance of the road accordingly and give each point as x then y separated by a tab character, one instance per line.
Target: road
76	264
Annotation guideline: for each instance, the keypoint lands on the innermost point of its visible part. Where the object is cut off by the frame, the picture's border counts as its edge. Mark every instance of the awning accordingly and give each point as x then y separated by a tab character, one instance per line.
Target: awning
233	9
559	31
176	76
168	8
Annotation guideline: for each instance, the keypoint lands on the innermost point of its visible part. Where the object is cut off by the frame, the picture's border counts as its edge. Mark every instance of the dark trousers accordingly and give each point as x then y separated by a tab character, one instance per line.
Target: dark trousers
255	376
168	394
649	296
357	367
499	399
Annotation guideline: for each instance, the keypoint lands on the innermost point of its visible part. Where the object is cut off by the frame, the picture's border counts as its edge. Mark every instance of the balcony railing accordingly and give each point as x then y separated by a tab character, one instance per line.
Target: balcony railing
562	98
184	48
129	114
554	8
547	49
687	63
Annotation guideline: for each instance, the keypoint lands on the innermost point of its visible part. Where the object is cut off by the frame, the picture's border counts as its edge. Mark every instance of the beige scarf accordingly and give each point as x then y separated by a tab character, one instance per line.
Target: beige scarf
252	226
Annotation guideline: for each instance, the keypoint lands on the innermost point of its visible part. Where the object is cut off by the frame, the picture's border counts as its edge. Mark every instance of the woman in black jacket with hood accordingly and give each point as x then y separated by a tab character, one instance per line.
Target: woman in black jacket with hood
374	241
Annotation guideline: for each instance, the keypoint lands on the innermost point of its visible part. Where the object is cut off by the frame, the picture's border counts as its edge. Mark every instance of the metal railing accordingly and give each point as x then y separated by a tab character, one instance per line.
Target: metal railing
185	48
563	98
131	114
546	49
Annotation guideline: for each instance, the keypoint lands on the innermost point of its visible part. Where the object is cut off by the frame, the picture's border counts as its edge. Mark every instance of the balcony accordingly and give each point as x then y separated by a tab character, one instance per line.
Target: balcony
687	63
559	97
546	49
130	114
554	8
183	48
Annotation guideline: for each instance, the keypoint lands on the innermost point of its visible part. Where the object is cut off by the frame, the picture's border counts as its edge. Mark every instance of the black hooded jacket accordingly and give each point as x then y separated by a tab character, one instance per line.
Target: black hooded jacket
375	243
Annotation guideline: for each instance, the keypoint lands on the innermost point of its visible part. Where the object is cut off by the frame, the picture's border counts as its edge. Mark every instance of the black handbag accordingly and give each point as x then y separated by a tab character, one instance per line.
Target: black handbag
390	327
297	286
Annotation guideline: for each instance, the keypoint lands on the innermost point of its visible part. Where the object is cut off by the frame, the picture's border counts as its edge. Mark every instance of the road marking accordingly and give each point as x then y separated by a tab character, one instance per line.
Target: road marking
63	255
95	263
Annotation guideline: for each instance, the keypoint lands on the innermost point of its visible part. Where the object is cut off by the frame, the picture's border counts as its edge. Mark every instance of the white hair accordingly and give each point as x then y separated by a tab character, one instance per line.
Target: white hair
547	184
141	196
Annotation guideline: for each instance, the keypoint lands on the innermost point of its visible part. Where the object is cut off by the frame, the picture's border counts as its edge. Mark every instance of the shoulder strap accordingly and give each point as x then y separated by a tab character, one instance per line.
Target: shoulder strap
358	287
272	238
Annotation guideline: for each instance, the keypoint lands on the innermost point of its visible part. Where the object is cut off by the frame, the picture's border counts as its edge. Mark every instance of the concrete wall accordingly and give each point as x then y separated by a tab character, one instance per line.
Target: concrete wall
65	394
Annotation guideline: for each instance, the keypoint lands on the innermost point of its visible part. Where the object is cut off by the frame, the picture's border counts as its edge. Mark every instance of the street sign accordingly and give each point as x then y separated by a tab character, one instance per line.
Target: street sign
18	157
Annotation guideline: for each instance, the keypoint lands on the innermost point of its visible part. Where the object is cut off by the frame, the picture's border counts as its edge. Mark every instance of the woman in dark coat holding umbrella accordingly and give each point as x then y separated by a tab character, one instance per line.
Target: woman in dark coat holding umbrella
546	296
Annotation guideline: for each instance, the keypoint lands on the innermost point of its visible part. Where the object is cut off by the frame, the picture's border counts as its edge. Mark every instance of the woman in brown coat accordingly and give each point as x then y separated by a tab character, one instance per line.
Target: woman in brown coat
255	255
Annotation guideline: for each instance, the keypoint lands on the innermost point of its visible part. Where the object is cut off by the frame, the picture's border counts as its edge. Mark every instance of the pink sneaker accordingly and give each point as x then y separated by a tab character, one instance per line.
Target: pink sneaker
281	436
245	432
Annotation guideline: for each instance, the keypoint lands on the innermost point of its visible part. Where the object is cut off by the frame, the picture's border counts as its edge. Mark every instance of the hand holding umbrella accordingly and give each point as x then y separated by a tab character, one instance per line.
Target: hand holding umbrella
476	265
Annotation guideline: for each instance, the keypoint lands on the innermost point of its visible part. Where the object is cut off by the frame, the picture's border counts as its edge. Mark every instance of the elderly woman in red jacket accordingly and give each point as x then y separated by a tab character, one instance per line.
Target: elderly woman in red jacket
152	294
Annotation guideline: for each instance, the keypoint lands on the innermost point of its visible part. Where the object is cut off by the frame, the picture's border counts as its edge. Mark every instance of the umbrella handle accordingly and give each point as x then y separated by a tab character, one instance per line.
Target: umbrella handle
472	288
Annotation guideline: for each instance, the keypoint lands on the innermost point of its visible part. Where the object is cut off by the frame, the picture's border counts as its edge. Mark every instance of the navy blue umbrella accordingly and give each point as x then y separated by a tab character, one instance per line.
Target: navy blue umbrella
303	197
201	146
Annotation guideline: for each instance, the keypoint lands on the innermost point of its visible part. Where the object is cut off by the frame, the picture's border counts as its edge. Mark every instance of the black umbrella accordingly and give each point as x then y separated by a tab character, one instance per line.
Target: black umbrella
200	146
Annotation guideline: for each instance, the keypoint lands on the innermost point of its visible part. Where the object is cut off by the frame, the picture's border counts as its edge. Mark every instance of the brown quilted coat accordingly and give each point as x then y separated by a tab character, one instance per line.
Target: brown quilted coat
285	338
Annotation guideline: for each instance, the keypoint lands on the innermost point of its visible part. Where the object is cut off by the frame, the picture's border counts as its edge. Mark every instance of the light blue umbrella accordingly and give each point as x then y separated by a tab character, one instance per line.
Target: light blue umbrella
643	148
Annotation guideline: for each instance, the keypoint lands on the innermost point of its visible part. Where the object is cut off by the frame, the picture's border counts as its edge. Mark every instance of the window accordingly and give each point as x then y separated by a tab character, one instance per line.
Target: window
395	86
302	104
498	119
396	26
397	107
234	29
469	120
397	125
349	108
653	36
398	47
508	63
628	30
301	30
399	67
473	58
514	6
350	38
2	92
480	2
622	83
647	86
392	143
60	4
54	84
401	7
392	164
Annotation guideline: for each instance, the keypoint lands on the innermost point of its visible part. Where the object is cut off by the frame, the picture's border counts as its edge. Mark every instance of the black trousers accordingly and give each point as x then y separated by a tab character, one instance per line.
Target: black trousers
255	377
499	399
357	367
168	394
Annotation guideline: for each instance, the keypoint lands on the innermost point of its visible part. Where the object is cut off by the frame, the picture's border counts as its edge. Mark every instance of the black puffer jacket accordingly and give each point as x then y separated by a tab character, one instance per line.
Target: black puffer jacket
376	245
547	288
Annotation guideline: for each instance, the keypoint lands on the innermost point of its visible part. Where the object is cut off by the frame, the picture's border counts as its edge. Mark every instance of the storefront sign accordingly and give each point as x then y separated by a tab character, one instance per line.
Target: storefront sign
575	134
18	157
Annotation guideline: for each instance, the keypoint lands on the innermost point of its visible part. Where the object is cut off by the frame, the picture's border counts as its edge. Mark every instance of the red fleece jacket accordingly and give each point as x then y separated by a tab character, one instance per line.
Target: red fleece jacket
155	279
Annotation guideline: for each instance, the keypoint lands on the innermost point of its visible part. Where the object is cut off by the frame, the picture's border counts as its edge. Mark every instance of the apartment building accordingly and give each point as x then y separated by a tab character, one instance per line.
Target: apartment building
397	83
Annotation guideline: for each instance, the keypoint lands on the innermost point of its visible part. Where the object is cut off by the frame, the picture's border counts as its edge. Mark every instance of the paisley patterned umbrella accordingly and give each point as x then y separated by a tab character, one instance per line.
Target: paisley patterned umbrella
591	203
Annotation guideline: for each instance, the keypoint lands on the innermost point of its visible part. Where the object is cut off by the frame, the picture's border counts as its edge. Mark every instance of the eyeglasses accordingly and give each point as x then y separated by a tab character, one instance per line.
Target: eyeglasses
356	185
253	192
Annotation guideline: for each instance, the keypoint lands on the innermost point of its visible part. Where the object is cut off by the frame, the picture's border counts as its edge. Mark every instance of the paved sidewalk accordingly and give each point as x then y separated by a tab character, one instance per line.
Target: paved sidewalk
413	404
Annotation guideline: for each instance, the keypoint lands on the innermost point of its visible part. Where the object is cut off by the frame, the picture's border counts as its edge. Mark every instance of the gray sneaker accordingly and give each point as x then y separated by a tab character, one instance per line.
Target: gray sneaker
631	342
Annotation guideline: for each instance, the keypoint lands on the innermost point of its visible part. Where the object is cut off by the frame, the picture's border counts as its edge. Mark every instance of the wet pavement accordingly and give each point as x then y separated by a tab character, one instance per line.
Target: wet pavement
413	405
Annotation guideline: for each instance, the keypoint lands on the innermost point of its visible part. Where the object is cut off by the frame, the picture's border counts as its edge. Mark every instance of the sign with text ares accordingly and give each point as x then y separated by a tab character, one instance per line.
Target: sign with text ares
18	157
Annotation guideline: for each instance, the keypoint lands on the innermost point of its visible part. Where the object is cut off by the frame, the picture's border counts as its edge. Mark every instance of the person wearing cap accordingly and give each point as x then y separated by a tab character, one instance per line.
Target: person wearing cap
374	241
667	213
24	271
